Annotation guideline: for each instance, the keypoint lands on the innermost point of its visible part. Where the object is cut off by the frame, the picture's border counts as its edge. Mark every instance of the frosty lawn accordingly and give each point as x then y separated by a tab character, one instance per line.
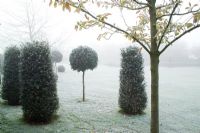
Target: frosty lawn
179	105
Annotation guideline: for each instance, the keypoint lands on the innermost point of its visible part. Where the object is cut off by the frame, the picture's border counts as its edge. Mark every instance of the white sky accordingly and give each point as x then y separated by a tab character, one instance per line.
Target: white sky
60	26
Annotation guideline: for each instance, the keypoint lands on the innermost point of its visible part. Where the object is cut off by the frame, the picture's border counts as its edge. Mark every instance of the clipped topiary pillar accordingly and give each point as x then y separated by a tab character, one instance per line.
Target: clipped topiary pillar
11	83
1	67
132	95
39	93
82	59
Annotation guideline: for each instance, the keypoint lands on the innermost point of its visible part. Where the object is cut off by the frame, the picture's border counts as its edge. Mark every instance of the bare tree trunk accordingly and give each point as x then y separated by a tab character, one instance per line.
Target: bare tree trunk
154	93
83	86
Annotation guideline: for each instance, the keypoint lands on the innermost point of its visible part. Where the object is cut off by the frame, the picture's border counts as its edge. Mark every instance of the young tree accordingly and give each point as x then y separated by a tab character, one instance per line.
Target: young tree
39	94
11	84
56	57
82	59
158	24
61	68
132	95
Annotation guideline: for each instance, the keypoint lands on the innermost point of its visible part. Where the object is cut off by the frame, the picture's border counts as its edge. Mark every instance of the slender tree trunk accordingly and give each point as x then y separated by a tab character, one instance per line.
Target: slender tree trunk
154	56
154	93
83	86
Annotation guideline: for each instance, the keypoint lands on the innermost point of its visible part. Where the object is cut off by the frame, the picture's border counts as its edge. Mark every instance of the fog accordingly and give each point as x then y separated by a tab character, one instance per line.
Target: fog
20	17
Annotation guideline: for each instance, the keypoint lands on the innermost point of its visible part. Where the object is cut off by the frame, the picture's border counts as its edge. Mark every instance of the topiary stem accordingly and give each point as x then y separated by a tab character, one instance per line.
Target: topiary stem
154	93
83	86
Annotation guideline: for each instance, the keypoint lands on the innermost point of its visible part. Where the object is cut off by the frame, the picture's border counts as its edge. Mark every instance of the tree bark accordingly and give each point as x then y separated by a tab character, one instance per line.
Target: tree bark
83	86
154	93
154	56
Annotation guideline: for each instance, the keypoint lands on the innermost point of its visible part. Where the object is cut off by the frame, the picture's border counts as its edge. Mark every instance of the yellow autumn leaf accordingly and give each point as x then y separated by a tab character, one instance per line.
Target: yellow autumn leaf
67	6
188	25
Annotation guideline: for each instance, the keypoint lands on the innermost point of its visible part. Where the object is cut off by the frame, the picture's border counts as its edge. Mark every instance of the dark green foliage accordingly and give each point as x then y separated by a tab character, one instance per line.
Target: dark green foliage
1	63
56	76
132	95
61	68
1	66
83	58
11	84
39	93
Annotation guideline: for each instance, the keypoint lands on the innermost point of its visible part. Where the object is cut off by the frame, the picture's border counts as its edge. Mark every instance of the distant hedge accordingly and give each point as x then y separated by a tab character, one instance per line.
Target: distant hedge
39	93
132	95
61	68
11	83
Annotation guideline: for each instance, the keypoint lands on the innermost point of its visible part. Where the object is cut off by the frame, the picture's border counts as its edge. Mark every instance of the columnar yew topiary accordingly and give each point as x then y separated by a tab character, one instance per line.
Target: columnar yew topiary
39	93
11	84
132	95
82	59
1	66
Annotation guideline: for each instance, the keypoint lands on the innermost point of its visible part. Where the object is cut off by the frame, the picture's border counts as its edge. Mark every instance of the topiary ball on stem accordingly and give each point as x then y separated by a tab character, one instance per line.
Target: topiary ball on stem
56	57
39	93
11	83
132	94
82	59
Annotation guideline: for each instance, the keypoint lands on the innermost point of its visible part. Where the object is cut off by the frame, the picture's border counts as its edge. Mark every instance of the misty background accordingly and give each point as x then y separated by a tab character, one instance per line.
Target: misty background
27	20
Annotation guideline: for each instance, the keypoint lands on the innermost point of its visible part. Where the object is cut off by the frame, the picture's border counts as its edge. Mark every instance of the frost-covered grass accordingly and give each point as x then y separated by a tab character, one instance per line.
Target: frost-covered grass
179	105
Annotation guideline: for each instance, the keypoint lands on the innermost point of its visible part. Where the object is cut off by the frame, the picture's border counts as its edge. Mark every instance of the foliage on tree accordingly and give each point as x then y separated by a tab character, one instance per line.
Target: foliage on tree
39	92
132	95
82	59
61	68
158	25
56	56
11	84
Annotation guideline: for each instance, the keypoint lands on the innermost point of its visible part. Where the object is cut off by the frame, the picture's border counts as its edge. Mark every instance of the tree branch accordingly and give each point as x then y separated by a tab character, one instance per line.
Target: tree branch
178	37
169	22
163	6
179	14
140	3
112	26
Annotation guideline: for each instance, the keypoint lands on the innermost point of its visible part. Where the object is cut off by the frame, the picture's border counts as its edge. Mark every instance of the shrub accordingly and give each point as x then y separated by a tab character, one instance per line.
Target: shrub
1	66
56	57
82	59
11	83
61	68
132	95
39	93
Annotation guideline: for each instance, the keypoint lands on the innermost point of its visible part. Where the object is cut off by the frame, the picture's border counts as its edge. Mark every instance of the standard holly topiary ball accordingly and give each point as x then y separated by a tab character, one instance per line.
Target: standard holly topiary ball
56	56
61	68
39	93
82	59
11	83
132	94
